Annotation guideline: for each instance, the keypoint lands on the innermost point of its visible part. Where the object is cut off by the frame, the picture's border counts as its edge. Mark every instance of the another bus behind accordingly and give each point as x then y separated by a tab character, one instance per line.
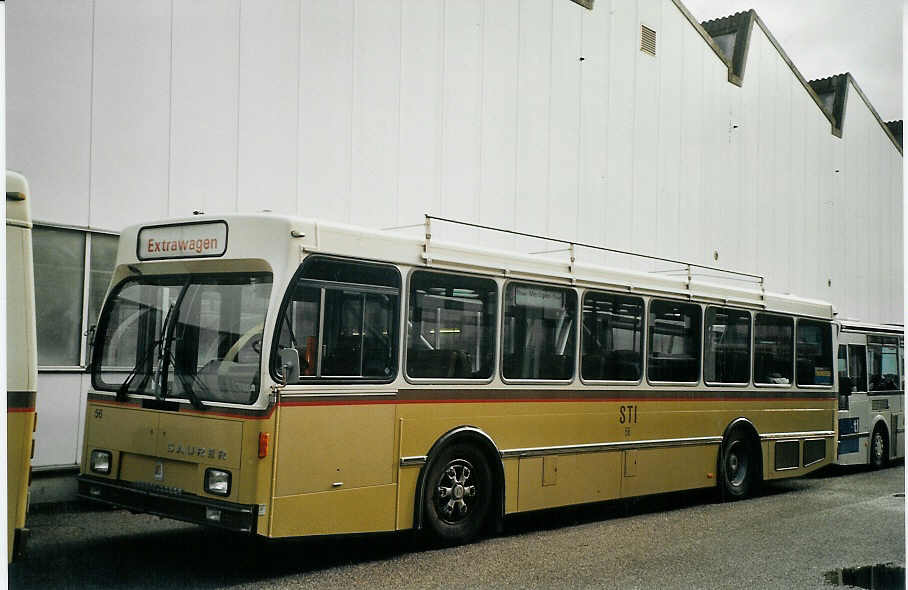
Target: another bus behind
871	414
21	358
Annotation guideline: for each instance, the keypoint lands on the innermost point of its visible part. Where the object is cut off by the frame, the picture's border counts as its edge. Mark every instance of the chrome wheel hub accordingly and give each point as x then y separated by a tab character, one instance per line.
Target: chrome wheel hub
455	491
736	464
877	445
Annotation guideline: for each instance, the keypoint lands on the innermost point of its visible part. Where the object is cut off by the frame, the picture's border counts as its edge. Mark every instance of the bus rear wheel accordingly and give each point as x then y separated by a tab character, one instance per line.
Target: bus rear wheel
739	467
879	448
458	494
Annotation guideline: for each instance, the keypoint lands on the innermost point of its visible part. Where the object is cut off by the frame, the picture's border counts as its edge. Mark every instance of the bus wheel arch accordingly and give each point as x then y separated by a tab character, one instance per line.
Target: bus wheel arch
878	455
740	460
462	437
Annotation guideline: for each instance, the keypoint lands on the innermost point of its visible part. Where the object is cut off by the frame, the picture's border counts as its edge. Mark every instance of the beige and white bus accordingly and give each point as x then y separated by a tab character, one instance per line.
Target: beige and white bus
21	358
287	377
872	404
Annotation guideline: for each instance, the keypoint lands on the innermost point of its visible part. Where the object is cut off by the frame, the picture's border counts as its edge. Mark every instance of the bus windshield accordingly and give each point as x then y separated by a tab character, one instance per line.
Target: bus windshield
196	337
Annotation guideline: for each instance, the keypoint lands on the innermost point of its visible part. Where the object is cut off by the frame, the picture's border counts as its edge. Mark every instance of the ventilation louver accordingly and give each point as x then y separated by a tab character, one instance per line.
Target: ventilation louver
647	40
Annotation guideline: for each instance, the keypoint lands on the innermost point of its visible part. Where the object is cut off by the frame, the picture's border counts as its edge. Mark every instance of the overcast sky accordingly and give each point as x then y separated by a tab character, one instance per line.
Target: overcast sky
826	37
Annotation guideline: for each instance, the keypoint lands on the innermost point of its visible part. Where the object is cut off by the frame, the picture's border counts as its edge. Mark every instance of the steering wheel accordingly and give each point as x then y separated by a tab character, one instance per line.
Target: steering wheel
252	336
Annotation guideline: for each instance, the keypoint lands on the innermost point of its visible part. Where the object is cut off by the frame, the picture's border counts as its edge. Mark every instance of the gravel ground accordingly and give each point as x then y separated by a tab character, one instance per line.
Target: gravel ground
788	537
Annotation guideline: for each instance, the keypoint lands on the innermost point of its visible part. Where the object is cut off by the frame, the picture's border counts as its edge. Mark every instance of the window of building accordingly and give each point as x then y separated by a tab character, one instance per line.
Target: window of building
882	360
773	349
726	354
539	328
451	326
674	342
61	256
857	367
59	259
612	338
341	317
814	353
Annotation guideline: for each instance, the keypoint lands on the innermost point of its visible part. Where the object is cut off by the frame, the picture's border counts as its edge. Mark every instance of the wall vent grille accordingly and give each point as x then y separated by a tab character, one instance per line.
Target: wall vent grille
647	40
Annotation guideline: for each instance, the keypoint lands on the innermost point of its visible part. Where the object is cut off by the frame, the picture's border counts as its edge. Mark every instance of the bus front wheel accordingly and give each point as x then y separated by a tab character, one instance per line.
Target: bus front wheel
458	494
879	448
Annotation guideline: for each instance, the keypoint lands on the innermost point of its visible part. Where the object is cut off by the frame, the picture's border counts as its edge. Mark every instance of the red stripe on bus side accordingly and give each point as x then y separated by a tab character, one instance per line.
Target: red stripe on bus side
19	410
229	415
116	404
367	402
549	400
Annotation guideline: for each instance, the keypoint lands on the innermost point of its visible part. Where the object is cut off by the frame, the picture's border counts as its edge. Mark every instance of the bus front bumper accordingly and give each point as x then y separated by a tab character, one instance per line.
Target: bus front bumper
186	507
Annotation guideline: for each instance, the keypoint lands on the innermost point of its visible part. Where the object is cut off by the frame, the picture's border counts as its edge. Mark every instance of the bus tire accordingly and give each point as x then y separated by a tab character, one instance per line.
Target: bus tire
458	494
740	467
879	447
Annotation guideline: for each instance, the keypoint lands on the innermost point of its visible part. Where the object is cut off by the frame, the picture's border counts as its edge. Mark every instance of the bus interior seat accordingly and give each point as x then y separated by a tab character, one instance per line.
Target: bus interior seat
806	372
445	364
556	366
377	361
672	368
617	365
343	358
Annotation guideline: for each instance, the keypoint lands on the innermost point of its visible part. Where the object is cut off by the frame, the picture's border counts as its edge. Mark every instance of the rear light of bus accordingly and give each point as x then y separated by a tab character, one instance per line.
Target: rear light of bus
263	444
217	482
100	462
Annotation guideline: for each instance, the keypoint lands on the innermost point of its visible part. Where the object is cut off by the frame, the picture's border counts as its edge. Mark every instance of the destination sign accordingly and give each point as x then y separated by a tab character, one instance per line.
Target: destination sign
188	240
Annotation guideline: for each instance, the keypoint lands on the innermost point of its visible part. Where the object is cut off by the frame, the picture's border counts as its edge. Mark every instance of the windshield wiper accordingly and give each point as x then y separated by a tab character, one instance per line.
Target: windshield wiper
155	346
160	390
169	358
124	387
186	382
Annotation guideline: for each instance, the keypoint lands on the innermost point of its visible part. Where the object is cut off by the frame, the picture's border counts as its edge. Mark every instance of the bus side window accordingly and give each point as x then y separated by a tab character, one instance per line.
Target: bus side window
354	336
612	337
814	351
539	331
902	364
451	324
727	346
842	362
773	344
857	367
674	342
883	369
299	327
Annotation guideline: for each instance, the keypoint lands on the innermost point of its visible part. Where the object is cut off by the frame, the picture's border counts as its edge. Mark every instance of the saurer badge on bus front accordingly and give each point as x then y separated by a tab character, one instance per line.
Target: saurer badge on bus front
189	240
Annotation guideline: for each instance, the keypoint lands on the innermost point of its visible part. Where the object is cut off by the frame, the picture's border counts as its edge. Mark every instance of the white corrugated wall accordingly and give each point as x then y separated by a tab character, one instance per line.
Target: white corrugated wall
536	115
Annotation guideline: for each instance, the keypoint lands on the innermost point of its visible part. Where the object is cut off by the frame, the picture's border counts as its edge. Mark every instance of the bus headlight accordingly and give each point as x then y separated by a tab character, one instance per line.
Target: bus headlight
100	462
217	482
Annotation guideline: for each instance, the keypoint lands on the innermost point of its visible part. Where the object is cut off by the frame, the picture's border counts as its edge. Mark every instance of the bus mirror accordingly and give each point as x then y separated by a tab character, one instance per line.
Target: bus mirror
845	385
290	365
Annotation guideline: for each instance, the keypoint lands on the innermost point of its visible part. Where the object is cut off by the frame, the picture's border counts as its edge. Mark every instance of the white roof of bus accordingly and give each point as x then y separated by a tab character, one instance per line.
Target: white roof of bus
849	325
268	236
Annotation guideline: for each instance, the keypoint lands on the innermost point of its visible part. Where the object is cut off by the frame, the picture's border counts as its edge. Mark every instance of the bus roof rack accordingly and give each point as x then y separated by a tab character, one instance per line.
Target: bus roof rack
689	267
